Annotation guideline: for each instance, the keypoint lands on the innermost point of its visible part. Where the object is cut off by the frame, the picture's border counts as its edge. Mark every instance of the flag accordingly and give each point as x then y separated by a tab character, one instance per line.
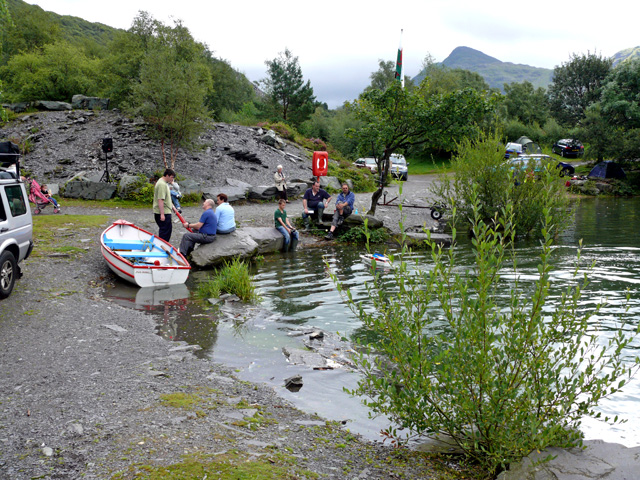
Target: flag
399	70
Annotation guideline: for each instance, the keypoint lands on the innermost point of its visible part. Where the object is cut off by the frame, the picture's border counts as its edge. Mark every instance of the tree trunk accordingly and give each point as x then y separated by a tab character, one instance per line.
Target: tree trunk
374	200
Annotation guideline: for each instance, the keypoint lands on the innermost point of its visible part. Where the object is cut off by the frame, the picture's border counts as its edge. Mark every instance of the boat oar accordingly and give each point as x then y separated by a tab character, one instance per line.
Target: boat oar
180	262
180	217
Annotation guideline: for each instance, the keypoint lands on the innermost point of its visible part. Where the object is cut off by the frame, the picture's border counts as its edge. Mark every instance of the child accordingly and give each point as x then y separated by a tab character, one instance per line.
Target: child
174	189
45	192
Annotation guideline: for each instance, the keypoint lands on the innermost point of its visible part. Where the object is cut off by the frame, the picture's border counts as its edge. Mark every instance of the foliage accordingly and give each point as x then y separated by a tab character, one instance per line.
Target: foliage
442	79
229	91
480	170
500	381
526	104
57	72
576	85
292	99
173	82
385	76
360	234
396	119
140	191
233	278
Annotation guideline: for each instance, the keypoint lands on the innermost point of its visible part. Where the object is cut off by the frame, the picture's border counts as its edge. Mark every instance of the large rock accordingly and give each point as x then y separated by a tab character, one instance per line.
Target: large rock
89	190
128	186
234	182
263	193
19	107
89	103
413	239
295	189
270	138
331	182
243	243
355	219
189	186
233	193
49	105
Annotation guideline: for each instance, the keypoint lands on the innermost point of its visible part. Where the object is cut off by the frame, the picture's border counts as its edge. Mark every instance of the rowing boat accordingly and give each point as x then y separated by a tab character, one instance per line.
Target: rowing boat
378	260
140	257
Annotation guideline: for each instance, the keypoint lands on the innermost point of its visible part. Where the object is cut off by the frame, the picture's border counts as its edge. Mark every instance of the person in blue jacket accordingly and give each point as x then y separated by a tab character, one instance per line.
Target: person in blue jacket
344	207
204	231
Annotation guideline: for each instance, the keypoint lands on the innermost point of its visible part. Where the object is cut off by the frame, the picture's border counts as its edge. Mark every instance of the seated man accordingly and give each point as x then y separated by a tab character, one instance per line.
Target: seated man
314	201
226	215
204	231
344	207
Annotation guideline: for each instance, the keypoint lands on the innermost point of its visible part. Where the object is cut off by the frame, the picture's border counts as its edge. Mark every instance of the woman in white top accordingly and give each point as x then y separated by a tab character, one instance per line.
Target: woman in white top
281	184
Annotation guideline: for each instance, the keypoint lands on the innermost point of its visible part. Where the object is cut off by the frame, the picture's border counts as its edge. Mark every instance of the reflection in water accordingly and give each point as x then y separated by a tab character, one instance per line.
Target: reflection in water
297	291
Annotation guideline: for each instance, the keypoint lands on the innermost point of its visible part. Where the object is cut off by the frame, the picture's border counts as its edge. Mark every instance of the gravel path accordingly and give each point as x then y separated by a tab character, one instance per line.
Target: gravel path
87	386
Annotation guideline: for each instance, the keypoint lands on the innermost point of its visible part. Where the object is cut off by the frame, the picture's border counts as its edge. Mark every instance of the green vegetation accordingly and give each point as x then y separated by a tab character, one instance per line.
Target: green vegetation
480	170
50	232
232	465
233	278
499	380
364	235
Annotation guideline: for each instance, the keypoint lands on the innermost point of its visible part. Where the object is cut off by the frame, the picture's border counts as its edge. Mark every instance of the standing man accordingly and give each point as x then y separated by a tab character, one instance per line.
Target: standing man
314	201
203	232
344	207
162	204
226	215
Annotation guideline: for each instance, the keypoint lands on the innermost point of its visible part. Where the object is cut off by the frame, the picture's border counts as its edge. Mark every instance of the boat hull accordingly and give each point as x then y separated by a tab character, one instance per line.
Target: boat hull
141	258
377	260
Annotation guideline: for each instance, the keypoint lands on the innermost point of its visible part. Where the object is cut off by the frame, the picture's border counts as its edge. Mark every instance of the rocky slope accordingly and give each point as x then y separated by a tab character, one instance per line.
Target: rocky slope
61	144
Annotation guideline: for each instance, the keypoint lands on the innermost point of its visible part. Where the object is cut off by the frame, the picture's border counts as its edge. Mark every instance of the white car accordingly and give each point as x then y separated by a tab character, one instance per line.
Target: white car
16	228
398	167
369	163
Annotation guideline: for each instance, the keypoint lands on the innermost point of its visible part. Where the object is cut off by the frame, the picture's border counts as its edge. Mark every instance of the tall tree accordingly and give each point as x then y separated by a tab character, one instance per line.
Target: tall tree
526	103
621	95
174	79
576	85
396	119
290	95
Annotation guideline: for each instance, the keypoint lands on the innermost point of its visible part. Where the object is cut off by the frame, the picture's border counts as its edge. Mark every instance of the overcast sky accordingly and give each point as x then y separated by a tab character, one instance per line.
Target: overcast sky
338	43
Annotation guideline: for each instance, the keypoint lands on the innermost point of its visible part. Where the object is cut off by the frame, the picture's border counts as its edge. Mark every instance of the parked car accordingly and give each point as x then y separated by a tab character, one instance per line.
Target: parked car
16	228
369	163
399	166
568	147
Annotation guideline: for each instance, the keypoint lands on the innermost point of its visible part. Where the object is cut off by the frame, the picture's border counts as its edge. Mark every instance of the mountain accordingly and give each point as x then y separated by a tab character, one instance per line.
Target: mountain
628	54
495	72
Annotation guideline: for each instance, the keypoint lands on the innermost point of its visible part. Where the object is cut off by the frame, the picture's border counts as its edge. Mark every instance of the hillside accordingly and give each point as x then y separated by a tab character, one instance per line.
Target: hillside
495	72
73	29
628	54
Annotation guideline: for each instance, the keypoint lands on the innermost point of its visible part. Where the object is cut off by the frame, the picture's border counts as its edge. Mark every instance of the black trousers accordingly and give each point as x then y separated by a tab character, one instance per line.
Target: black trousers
165	227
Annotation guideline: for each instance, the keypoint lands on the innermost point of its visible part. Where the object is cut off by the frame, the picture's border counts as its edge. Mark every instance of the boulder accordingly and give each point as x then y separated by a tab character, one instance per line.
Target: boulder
417	239
238	183
50	105
238	244
128	186
330	182
295	189
243	243
19	107
89	103
263	193
355	219
189	186
233	193
270	138
88	190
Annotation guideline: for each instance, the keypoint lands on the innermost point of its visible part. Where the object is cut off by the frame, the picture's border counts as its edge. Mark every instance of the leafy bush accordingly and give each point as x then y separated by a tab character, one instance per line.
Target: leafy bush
233	278
499	380
141	190
360	234
480	167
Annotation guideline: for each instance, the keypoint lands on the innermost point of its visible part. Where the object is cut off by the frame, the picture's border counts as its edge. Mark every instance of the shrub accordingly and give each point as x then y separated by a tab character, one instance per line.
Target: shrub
360	234
499	380
480	167
233	278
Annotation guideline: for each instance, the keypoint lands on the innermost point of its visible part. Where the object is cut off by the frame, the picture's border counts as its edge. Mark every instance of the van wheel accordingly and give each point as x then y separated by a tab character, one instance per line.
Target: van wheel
8	271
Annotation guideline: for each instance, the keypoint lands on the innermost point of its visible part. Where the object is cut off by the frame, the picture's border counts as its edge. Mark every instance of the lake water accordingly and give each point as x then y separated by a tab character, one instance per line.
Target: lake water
297	291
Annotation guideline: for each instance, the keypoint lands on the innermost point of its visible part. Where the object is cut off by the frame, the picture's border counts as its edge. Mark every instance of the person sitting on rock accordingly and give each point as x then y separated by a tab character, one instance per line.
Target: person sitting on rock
283	225
344	207
204	231
226	215
314	201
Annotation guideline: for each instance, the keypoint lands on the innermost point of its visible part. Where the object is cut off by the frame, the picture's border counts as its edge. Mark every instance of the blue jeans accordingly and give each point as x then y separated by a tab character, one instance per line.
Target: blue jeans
224	232
285	234
174	199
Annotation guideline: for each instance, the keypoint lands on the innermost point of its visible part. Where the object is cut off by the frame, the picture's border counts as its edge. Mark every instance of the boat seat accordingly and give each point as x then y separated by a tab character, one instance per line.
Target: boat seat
127	244
154	254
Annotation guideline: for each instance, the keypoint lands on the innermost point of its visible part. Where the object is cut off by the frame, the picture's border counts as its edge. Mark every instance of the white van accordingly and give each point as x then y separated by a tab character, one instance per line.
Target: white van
16	228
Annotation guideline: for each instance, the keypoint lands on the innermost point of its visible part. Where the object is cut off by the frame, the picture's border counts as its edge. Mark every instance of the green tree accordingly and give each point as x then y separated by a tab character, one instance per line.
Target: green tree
174	79
604	137
230	89
621	95
292	99
442	80
382	78
525	103
395	119
57	72
443	356
576	85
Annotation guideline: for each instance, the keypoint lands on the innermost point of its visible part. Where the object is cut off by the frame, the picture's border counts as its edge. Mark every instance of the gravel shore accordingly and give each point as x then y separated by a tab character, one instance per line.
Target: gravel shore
89	390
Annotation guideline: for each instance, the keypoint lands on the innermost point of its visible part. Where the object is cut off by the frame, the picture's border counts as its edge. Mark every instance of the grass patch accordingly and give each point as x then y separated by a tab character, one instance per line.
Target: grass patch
233	278
56	233
183	400
429	166
231	465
